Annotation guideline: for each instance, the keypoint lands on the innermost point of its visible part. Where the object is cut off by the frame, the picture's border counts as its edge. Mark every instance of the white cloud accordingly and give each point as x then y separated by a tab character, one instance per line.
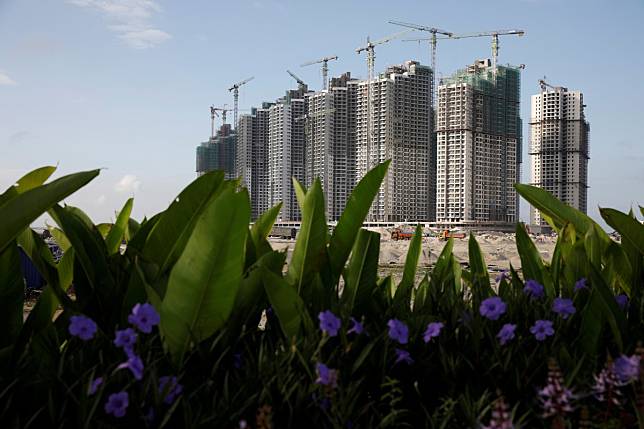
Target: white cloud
6	80
101	200
130	20
128	183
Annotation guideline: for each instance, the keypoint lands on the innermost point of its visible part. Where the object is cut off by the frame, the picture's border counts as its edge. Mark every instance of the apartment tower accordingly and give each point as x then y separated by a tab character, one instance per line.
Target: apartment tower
559	148
479	147
252	157
286	151
218	153
330	142
399	128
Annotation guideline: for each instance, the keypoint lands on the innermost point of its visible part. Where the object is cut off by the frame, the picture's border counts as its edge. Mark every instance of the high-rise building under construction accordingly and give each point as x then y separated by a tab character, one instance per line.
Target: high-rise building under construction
218	153
397	126
479	146
286	151
330	142
559	148
252	157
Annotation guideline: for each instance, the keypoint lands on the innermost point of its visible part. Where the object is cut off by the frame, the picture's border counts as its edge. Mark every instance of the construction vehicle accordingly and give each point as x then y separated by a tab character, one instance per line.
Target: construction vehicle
447	234
325	68
402	233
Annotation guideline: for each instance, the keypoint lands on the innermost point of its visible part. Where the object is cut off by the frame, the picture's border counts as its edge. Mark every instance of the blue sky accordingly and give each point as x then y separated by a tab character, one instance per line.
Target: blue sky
125	85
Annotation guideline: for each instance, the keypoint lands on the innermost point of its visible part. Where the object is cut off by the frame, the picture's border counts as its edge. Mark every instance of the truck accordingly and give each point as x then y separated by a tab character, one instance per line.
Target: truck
447	234
402	233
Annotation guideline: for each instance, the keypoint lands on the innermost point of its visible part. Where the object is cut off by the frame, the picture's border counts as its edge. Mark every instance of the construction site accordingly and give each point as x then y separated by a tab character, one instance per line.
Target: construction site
455	144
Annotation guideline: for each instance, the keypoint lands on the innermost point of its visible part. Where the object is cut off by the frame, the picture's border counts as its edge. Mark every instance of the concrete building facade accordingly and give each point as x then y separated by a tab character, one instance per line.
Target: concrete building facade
330	142
559	148
478	134
286	151
252	157
398	126
218	153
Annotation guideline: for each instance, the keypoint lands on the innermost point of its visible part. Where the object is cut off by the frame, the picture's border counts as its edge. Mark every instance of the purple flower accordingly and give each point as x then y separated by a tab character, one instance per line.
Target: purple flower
627	368
94	385
555	398
82	327
542	329
563	307
326	375
125	339
606	387
433	330
506	333
356	328
171	388
503	275
492	308
398	331
622	301
144	317
329	323
501	417
533	289
117	404
580	284
135	365
403	356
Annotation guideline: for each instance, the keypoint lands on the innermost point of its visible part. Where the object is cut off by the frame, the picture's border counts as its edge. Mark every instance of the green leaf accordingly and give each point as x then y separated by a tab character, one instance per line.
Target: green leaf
402	297
286	303
357	208
300	192
531	262
118	230
251	290
203	282
12	288
29	181
362	272
558	212
18	212
310	247
260	230
478	268
96	290
629	228
59	237
169	235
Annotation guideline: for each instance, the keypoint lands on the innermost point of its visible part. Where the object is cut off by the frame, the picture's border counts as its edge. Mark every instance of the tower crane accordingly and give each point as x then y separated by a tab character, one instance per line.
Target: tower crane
369	48
300	83
432	42
213	113
235	91
495	40
325	68
543	84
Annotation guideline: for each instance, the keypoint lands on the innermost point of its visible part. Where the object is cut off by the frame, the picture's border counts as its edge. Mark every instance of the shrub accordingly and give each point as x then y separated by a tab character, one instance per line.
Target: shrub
167	332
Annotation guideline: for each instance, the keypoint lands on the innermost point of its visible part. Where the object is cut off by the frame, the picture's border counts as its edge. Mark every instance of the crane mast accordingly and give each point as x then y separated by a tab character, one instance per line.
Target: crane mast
369	48
432	41
325	68
235	91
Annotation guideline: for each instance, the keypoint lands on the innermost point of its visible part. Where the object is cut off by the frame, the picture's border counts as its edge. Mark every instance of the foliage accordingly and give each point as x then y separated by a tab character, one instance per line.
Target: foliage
238	327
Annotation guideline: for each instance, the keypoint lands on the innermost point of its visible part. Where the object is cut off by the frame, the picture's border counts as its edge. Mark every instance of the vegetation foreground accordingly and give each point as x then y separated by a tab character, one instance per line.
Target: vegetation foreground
198	323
